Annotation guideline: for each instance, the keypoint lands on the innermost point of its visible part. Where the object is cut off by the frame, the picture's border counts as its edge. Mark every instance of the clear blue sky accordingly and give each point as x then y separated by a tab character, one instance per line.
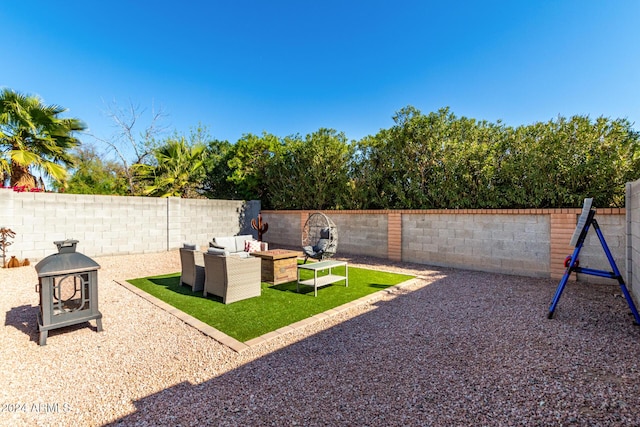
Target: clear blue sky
288	67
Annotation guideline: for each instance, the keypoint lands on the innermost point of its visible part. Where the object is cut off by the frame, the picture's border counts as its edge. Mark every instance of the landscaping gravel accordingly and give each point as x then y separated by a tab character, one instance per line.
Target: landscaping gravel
454	348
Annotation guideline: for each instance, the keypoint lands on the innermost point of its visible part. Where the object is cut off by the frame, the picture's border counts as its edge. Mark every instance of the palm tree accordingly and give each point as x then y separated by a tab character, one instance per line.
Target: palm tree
32	135
178	171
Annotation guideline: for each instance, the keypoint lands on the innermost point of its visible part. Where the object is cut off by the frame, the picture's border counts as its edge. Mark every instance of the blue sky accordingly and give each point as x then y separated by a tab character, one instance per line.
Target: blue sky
288	67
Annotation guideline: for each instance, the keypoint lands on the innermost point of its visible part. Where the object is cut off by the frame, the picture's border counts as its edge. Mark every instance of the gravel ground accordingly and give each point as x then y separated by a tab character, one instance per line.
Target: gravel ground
454	348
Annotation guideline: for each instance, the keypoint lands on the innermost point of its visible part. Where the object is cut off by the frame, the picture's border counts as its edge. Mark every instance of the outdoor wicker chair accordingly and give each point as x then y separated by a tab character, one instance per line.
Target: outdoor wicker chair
319	237
192	266
231	277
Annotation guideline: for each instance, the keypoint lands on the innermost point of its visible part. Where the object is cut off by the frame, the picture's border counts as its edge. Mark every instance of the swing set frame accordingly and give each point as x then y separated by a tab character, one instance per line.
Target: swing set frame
586	220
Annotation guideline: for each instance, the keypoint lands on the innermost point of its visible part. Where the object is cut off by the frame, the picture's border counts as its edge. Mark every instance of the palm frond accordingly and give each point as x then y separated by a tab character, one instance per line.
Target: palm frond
35	135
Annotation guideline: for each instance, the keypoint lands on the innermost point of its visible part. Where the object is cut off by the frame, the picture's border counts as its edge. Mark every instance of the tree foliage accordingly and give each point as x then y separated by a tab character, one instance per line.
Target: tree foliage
309	173
92	175
559	163
442	161
252	155
432	161
34	136
217	183
177	171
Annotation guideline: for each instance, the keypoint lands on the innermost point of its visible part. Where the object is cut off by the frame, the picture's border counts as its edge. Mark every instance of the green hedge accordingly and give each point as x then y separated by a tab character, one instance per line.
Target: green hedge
439	161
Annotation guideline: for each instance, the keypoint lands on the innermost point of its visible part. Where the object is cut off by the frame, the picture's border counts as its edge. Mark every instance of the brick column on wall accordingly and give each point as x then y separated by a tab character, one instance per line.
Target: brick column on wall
394	239
563	224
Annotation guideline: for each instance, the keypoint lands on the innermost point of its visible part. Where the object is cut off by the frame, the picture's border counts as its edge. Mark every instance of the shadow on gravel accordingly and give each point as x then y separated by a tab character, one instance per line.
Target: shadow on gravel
471	348
25	319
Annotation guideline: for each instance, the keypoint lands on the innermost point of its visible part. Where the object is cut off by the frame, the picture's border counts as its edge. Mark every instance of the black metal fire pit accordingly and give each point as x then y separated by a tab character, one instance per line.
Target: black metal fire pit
68	287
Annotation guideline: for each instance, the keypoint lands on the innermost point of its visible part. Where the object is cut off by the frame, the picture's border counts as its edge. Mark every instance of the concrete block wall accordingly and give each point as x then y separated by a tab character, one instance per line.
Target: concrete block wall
103	225
513	244
532	242
359	232
109	225
529	242
200	220
633	238
612	224
613	228
362	233
285	228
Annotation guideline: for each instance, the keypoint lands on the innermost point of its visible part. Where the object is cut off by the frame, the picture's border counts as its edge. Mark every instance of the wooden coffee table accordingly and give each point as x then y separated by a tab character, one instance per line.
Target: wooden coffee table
278	266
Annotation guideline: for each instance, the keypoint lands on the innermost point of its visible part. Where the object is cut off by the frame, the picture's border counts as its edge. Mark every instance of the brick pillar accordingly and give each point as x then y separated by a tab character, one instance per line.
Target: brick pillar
563	224
394	236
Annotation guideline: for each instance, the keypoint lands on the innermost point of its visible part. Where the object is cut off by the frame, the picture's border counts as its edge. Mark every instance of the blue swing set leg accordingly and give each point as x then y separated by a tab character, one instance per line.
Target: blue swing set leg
614	274
563	281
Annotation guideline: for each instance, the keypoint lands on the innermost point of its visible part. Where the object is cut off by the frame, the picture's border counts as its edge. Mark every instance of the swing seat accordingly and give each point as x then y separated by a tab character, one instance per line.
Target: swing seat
318	250
319	237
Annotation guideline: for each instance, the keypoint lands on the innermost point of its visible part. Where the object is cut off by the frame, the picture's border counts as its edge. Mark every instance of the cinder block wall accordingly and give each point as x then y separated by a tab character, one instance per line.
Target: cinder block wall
108	225
613	229
360	232
515	244
285	228
199	220
633	237
532	242
529	242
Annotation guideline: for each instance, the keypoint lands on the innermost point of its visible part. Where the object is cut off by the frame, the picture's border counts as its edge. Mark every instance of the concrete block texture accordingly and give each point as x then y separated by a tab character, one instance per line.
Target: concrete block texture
362	234
358	233
592	254
515	244
200	220
632	253
284	228
110	225
524	242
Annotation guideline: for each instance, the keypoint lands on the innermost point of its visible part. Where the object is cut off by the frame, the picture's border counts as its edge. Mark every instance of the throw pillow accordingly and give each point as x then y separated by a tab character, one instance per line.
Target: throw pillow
251	246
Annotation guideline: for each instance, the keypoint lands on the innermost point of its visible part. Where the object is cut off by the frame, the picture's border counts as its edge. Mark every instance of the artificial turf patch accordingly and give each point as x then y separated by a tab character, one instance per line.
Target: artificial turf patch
278	306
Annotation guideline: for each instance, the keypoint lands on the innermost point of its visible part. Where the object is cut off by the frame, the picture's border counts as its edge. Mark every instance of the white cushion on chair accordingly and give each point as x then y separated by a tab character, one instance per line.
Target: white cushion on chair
216	251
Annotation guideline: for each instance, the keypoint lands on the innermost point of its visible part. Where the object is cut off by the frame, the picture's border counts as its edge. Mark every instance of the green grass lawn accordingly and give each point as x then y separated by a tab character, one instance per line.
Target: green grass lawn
278	305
